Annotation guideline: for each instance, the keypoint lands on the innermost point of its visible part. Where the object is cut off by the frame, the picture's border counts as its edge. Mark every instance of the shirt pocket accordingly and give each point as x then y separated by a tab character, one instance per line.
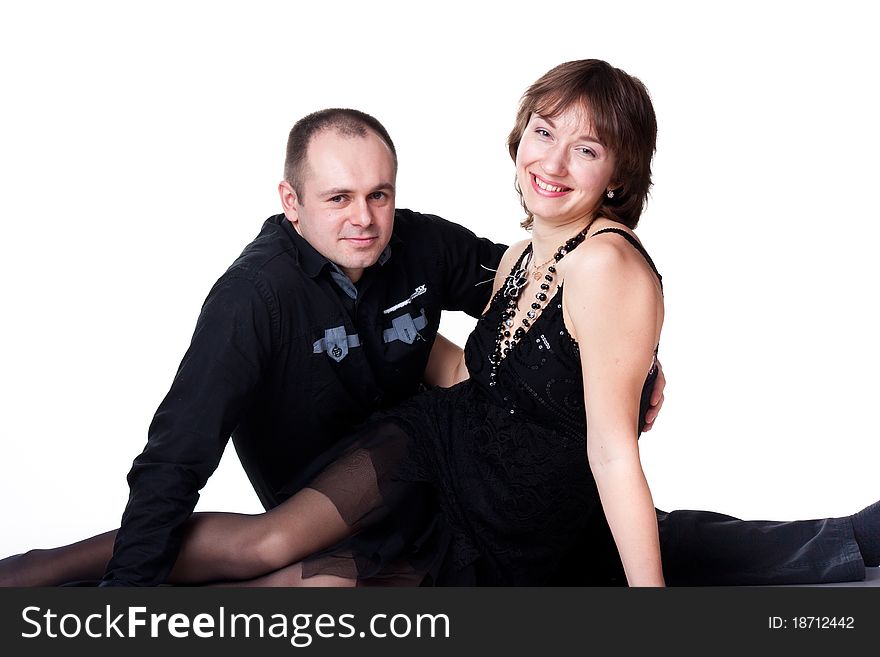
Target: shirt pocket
407	336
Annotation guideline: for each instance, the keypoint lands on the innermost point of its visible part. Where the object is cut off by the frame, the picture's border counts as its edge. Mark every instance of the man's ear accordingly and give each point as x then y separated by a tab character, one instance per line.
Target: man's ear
289	202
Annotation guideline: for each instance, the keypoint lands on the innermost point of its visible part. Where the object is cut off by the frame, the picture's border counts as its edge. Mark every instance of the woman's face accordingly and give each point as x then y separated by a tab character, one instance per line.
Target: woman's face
562	168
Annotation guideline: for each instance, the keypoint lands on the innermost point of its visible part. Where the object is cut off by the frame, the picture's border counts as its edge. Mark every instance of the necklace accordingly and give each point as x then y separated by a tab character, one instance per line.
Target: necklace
539	269
507	336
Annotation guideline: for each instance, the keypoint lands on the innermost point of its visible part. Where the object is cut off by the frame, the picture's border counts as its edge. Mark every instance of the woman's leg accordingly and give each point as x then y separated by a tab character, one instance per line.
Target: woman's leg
83	560
228	546
292	576
343	499
216	546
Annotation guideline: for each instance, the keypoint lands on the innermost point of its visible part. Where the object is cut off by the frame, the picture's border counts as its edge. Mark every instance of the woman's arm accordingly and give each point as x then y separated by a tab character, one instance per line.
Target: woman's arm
614	305
445	364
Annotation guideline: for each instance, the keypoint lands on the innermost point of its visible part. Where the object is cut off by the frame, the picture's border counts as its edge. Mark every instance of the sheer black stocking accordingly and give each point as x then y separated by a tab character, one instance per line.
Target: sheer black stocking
216	547
292	576
84	560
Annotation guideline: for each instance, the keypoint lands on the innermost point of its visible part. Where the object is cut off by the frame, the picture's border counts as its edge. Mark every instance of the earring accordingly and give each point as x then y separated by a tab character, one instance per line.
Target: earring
610	193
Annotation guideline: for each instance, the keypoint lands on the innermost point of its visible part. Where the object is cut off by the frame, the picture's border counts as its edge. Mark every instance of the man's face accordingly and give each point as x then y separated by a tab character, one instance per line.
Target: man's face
346	206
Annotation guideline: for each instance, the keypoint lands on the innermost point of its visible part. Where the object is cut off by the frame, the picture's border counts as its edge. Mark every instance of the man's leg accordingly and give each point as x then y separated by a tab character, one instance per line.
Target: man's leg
702	548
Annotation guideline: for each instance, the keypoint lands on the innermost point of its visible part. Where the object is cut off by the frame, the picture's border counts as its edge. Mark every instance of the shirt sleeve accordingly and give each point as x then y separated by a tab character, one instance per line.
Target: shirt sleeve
216	379
468	263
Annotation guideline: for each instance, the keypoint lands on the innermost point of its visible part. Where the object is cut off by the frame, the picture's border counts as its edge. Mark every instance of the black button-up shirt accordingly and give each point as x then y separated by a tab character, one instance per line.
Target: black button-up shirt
287	356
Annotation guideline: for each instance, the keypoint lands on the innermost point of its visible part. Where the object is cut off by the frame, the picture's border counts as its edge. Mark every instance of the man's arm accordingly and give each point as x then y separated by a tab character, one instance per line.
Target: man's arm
211	390
656	400
468	264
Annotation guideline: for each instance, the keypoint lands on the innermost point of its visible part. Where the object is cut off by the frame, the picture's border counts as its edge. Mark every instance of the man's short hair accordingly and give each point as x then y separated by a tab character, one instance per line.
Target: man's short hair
347	122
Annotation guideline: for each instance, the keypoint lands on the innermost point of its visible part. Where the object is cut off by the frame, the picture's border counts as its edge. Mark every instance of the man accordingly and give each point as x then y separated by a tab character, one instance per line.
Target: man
331	313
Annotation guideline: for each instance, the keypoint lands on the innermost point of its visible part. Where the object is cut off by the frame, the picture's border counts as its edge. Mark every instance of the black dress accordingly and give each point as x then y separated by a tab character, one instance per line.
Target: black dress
478	484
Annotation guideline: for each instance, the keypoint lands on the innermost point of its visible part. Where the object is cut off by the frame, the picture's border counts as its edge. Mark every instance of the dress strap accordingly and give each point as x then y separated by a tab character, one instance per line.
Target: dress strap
522	256
638	245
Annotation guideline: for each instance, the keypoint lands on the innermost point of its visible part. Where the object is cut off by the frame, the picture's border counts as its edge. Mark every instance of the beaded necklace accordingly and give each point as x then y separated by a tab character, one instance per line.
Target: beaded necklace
507	337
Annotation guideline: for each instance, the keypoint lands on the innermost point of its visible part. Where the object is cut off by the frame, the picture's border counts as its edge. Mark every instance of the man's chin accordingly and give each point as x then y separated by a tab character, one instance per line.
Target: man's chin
363	256
361	261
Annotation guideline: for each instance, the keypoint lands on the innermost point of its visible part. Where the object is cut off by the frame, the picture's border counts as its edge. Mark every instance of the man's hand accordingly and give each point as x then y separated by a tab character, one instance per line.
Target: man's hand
656	401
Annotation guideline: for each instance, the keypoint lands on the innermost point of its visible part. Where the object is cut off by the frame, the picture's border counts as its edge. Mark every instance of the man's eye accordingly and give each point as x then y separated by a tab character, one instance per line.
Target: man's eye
337	199
378	196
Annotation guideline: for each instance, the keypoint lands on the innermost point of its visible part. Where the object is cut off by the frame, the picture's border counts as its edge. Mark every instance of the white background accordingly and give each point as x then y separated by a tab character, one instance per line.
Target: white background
141	145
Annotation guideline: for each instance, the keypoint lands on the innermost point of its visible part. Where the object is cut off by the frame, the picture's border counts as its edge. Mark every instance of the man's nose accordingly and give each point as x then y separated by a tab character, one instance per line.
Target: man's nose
361	214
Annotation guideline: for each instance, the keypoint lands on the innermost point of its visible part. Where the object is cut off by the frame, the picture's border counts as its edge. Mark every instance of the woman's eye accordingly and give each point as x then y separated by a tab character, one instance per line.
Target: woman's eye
542	132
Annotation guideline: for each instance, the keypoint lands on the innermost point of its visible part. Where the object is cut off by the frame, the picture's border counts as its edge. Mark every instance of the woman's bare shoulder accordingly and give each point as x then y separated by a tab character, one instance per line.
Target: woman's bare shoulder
607	257
608	269
514	251
609	282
